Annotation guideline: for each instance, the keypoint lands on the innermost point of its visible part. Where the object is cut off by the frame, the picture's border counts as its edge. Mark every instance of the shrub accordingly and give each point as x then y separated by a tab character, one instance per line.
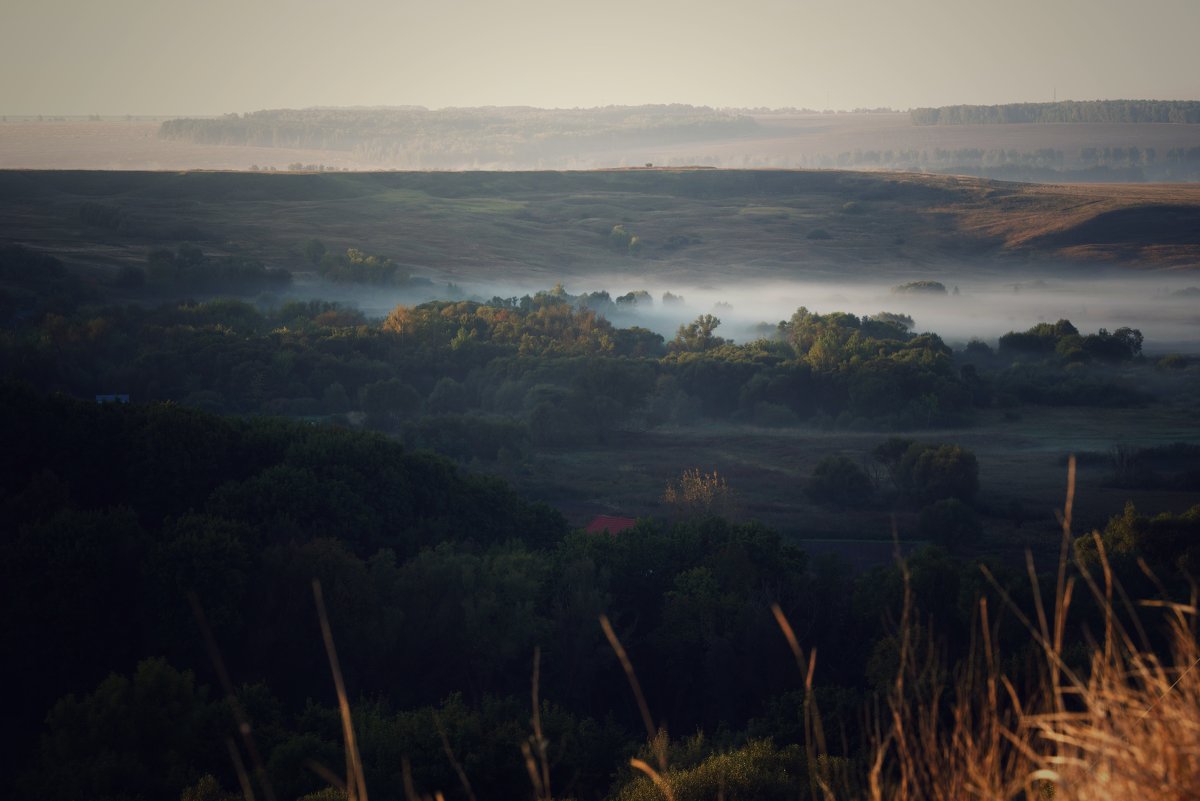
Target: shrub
758	771
130	276
949	523
1165	539
925	472
920	287
700	495
314	251
619	238
839	481
929	473
386	403
447	396
1173	361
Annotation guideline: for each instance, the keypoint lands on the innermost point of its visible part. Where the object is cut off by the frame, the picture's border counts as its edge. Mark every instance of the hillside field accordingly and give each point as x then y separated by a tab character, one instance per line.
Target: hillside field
538	227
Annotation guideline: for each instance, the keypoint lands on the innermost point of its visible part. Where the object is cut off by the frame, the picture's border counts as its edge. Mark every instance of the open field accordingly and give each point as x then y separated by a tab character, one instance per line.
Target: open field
1022	465
533	229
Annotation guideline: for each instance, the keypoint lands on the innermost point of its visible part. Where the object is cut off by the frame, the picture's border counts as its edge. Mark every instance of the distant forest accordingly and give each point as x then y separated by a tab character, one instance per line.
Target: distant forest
1102	111
446	136
417	138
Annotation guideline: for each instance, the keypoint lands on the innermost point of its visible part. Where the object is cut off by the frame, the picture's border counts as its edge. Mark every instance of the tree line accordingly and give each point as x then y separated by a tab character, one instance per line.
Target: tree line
490	380
1087	111
418	136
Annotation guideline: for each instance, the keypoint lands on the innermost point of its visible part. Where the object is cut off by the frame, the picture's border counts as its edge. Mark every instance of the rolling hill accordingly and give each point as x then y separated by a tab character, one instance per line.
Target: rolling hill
539	227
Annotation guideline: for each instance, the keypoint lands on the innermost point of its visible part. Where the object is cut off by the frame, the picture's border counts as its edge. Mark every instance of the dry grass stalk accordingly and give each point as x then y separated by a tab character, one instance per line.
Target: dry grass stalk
967	736
327	775
410	790
239	768
820	783
356	784
454	763
952	739
1126	729
657	739
239	714
1133	727
659	781
536	761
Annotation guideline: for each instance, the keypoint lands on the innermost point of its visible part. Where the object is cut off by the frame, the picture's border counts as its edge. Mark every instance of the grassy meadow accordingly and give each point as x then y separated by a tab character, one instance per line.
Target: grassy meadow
538	228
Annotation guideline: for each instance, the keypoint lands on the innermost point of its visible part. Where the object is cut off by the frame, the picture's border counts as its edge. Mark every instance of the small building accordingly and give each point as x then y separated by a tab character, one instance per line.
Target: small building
609	523
112	399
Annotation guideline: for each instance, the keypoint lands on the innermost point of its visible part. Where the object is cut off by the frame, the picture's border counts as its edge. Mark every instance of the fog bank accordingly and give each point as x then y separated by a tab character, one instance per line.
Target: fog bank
1165	308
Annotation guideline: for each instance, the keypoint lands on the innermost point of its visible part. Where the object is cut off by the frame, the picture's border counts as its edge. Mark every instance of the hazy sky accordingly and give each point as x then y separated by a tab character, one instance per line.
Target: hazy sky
169	57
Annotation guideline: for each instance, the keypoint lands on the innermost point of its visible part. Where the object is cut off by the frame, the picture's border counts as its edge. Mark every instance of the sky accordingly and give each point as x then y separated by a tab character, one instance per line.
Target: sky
165	57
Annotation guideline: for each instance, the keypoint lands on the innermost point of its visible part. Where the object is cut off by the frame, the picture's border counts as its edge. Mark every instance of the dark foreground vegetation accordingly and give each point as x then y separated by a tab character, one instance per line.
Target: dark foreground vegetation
442	583
439	588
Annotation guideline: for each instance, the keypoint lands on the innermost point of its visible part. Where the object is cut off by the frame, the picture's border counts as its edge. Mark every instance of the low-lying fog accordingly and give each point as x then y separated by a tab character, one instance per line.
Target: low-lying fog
1165	309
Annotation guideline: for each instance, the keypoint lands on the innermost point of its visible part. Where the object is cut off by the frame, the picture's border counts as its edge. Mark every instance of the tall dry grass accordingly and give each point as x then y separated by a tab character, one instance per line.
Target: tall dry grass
1125	729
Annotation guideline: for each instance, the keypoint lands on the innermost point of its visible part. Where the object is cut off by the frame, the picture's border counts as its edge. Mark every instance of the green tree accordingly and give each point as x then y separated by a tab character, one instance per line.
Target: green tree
635	299
838	481
314	251
133	737
929	473
697	336
447	397
949	523
388	403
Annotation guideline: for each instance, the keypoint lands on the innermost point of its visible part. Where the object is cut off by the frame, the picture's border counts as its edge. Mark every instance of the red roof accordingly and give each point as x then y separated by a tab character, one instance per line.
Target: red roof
611	524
